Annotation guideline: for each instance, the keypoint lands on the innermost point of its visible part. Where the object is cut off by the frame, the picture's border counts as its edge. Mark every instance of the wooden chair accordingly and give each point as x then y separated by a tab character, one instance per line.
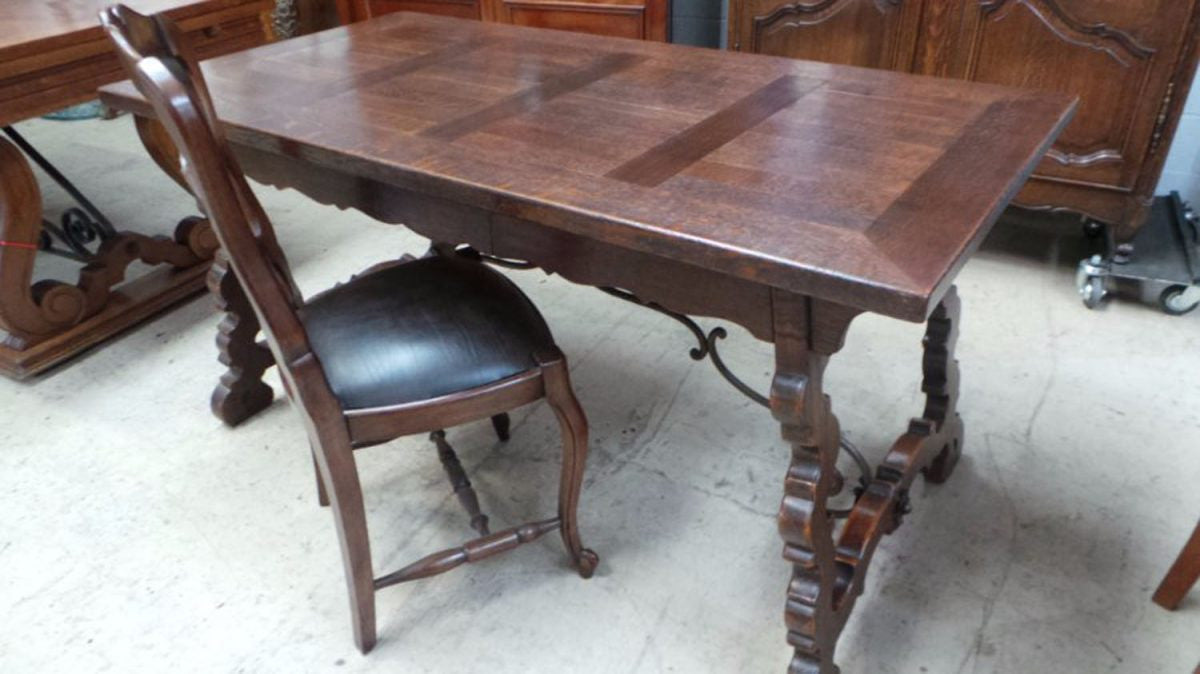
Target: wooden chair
412	347
1182	576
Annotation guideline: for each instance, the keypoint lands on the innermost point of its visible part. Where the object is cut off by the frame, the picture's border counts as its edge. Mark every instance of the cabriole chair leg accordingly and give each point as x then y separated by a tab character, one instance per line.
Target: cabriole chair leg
575	449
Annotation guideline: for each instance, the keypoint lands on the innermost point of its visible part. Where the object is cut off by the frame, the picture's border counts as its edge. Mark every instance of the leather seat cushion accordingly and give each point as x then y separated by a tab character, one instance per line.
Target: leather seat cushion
422	329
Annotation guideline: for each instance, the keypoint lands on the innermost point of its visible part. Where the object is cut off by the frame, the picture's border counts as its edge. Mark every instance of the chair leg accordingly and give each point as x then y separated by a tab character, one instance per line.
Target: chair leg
322	497
575	449
1183	574
460	483
335	460
501	423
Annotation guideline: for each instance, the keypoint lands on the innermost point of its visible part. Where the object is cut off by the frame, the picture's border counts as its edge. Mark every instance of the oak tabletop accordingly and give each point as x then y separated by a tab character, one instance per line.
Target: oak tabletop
866	188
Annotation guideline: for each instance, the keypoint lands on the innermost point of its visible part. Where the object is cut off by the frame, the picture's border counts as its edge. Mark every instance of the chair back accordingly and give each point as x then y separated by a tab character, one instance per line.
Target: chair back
162	66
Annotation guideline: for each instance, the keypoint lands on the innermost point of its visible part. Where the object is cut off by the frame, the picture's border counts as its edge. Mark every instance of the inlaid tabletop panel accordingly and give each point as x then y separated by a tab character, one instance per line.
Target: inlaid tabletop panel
863	187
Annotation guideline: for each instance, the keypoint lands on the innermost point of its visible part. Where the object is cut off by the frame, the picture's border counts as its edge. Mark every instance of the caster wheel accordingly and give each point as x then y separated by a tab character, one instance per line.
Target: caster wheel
1092	292
1174	301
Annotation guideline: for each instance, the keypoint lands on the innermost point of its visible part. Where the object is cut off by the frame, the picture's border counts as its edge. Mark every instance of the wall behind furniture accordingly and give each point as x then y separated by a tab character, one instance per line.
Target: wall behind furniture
698	22
1182	171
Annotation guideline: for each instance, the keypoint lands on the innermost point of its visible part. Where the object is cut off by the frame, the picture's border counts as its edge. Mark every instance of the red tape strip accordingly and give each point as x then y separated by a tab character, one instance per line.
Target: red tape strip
18	244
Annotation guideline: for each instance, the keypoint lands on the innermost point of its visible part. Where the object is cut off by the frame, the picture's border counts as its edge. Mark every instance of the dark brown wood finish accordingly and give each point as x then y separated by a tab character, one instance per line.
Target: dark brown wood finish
1131	63
158	57
785	196
54	54
638	19
1182	576
825	197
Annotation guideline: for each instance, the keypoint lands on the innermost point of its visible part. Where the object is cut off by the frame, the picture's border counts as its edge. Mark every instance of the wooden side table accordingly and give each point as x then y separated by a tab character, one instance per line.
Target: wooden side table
53	55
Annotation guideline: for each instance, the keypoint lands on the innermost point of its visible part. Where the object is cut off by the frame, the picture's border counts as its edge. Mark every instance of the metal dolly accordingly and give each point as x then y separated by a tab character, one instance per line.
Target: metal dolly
1163	267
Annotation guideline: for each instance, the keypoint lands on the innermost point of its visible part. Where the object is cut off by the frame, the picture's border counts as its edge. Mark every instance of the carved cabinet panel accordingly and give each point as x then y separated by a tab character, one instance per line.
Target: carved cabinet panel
869	33
1112	55
465	9
619	18
641	19
1129	61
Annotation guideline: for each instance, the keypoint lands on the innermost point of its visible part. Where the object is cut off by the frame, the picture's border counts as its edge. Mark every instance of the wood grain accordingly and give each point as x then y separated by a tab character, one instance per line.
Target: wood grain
668	158
534	125
326	350
1131	63
786	196
533	98
53	54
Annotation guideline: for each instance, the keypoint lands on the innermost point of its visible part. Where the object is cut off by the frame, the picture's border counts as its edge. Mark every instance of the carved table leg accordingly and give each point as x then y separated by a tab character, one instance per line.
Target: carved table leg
829	566
241	392
50	321
807	333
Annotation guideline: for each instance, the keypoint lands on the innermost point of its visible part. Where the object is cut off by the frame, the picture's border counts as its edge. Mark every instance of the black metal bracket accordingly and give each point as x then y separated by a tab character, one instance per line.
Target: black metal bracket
78	227
707	347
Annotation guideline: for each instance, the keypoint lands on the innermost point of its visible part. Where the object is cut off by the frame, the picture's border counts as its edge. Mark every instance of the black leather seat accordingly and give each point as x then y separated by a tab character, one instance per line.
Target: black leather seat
423	329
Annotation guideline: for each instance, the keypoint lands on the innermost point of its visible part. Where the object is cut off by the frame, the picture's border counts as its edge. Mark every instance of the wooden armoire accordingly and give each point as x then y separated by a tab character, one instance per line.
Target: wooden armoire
1131	62
639	19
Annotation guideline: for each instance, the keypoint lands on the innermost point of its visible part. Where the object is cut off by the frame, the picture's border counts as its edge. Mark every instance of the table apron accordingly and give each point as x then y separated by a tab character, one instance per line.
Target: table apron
678	286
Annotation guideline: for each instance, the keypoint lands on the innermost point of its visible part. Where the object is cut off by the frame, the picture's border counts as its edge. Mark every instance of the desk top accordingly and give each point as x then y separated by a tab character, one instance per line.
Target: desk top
866	188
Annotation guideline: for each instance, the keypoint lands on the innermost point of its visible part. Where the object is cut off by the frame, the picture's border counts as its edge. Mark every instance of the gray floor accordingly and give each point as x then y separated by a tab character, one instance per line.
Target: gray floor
137	534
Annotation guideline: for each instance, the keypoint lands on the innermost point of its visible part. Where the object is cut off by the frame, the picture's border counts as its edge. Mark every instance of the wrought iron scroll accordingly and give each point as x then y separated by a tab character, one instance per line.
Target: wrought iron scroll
79	226
708	348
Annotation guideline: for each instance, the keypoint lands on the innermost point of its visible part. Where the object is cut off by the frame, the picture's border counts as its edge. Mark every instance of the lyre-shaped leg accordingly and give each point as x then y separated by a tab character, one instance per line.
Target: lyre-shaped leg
460	483
808	332
561	399
940	385
46	321
241	392
828	573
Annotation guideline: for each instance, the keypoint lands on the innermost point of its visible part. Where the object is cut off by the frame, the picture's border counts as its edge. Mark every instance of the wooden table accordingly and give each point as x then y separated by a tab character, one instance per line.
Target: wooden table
785	196
54	54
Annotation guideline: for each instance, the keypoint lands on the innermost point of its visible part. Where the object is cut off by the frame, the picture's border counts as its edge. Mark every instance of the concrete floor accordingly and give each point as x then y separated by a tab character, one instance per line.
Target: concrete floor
137	534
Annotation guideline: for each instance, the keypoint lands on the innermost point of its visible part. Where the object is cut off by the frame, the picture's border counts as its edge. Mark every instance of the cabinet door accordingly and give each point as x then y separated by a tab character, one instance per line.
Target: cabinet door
638	19
1116	56
869	33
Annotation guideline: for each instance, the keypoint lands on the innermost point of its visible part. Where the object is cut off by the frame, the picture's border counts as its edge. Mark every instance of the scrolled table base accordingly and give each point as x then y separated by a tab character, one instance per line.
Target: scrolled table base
50	321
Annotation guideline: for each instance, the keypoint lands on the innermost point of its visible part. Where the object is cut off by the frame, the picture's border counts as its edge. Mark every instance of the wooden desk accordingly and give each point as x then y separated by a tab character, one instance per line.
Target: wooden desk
54	54
783	195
